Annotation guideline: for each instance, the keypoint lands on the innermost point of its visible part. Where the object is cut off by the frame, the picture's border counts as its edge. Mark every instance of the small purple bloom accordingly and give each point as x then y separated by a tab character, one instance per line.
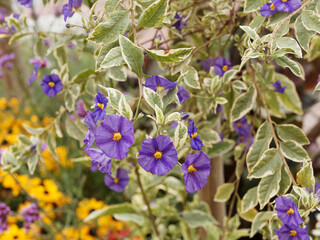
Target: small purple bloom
37	63
100	108
316	188
173	124
4	212
287	211
292	232
183	94
5	61
196	170
268	9
89	138
278	88
81	109
222	65
241	126
68	8
179	23
51	84
100	161
119	183
26	3
114	136
157	83
221	138
287	5
158	155
184	116
71	45
206	64
196	143
30	215
47	42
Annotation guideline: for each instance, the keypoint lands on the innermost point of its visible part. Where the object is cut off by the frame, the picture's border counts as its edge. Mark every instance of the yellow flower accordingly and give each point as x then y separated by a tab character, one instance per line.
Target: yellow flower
34	119
88	232
14	102
49	162
9	182
104	225
15	233
86	206
68	234
62	154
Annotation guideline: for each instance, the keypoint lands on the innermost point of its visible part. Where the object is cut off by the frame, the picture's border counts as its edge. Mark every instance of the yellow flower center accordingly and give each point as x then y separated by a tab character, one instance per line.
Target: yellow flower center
239	124
293	233
51	84
284	0
100	105
193	135
116	180
290	211
225	68
160	88
157	155
191	169
272	7
116	136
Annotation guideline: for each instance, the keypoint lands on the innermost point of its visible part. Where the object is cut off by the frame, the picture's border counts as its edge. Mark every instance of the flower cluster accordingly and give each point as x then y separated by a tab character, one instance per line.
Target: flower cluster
280	6
288	213
243	129
30	214
4	212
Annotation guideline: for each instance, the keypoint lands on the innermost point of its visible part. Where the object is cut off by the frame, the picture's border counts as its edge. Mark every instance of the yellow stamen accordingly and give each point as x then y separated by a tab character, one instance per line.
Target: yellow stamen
116	136
116	180
239	124
293	233
225	68
284	0
51	84
242	138
193	135
191	169
290	211
272	7
160	88
158	155
100	105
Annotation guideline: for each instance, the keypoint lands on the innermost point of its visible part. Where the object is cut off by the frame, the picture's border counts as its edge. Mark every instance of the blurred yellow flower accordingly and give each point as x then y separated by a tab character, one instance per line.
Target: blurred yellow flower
15	233
86	206
68	234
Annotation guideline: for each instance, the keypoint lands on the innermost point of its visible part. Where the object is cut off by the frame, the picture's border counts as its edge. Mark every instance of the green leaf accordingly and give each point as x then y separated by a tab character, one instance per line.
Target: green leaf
70	102
159	115
130	217
310	20
34	131
252	5
172	117
224	192
317	88
292	132
152	98
305	176
209	136
251	32
294	66
288	42
229	75
51	143
243	104
111	6
294	151
117	73
113	58
257	22
268	187
285	182
190	77
180	135
260	220
61	56
73	130
153	15
264	131
17	36
83	75
103	51
303	35
256	151
196	218
268	164
170	56
110	210
32	163
108	31
250	199
221	148
132	55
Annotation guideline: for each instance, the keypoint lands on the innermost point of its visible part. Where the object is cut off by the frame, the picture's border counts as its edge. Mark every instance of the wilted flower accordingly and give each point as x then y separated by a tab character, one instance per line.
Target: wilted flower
179	23
119	183
243	129
183	94
206	64
100	161
196	170
81	109
196	143
292	232
157	83
4	212
278	88
158	155
100	107
222	65
287	211
26	3
287	5
268	9
30	214
51	84
37	63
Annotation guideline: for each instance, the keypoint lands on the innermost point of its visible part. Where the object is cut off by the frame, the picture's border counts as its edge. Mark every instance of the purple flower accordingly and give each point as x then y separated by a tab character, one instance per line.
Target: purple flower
4	212
196	170
51	84
158	155
114	136
5	61
221	138
179	23
268	9
278	88
287	211
222	65
184	116
119	183
173	124
196	143
89	138
157	83
183	94
47	42
206	64
292	232
241	126
100	161
71	45
68	8
99	110
30	214
316	188
26	3
287	5
37	63
81	109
